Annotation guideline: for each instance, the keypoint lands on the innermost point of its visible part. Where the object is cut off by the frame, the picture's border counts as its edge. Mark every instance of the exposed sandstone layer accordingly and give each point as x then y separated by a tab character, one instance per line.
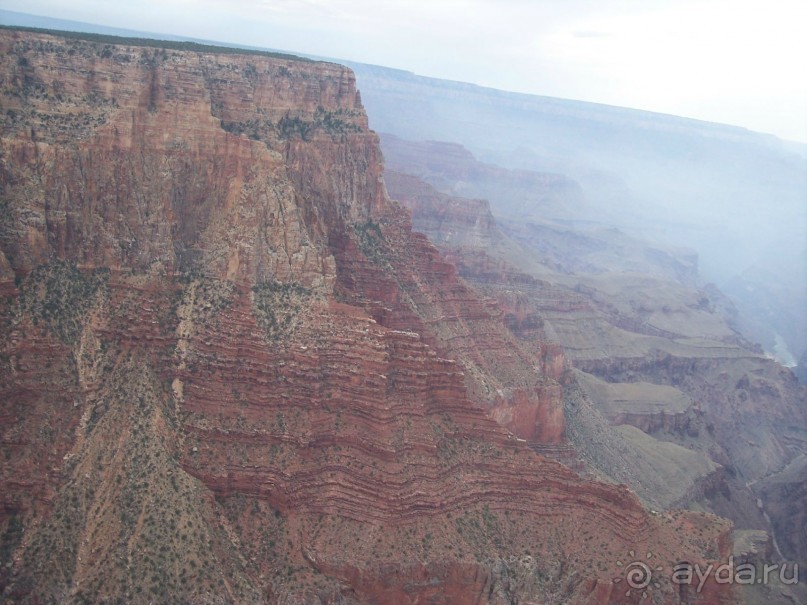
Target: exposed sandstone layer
649	407
233	374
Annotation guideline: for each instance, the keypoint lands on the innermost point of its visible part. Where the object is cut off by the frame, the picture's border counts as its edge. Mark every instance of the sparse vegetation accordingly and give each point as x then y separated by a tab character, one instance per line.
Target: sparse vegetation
10	538
211	296
60	295
334	123
277	306
372	243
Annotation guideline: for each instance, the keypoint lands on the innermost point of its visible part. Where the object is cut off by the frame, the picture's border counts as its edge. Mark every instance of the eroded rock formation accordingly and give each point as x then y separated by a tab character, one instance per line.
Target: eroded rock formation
232	372
717	421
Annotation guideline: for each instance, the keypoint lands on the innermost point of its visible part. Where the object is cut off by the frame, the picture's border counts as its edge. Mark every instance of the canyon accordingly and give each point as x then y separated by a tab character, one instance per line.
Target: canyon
733	195
235	369
666	395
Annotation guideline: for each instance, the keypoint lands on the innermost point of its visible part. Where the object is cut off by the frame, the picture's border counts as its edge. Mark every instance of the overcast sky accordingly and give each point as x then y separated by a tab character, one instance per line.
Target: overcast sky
739	62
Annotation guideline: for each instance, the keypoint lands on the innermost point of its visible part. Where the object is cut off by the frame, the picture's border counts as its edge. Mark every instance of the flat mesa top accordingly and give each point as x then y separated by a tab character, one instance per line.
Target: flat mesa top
182	45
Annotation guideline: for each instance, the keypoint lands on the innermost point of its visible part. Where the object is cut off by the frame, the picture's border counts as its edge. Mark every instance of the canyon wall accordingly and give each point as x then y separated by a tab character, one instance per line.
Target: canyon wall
232	373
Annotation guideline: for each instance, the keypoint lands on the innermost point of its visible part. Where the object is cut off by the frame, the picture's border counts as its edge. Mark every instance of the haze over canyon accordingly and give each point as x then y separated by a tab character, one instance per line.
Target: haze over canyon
278	329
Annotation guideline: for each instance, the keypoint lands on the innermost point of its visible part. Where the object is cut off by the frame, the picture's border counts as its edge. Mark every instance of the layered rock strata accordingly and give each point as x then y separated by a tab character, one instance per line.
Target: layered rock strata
232	373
